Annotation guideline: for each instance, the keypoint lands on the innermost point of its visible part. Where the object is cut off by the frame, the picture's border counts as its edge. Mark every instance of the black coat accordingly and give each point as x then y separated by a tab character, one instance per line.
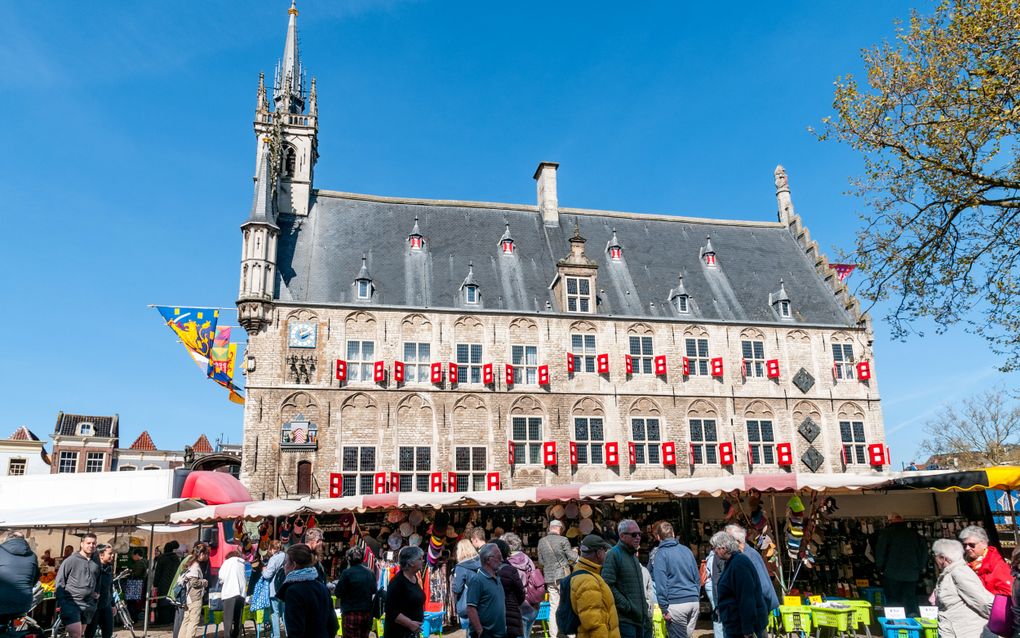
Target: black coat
163	572
513	588
308	609
739	600
355	589
19	572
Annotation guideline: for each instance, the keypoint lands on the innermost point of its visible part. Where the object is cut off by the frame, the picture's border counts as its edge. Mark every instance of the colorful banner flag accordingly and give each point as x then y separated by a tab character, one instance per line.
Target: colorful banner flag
194	326
843	270
222	356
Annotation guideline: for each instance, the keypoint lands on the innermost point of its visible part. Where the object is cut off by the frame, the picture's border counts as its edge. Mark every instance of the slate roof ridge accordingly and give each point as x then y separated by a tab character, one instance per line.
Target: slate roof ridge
588	212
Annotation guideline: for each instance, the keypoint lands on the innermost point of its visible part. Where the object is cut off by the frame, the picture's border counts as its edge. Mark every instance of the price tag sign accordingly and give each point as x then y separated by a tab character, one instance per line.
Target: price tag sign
862	582
791	601
897	613
815	600
930	613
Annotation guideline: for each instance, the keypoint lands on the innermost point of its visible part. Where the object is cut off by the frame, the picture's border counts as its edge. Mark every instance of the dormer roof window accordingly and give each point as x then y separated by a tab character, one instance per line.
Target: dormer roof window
416	240
679	298
469	288
86	429
363	286
780	302
614	249
506	242
708	253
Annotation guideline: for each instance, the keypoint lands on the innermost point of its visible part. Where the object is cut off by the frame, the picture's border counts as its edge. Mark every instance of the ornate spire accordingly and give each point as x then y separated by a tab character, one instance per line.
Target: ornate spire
470	279
363	274
707	252
262	101
783	200
288	88
262	208
680	290
416	239
506	242
313	100
614	248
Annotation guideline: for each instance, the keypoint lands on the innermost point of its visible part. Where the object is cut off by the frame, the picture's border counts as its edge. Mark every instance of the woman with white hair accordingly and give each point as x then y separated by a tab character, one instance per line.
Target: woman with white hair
964	603
740	604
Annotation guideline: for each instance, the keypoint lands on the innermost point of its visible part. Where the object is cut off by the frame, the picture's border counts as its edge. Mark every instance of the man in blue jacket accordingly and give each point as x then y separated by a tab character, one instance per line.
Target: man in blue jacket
677	583
767	589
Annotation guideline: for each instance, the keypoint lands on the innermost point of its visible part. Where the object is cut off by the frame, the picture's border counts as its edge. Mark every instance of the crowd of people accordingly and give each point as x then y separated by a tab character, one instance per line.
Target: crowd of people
598	589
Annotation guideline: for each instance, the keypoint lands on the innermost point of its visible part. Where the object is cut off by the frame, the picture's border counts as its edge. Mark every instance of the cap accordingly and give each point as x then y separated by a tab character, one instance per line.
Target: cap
557	523
592	542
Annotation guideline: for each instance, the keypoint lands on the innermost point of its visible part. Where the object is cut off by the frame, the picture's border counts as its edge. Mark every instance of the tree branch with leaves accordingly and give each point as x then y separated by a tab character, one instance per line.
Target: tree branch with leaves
937	123
984	430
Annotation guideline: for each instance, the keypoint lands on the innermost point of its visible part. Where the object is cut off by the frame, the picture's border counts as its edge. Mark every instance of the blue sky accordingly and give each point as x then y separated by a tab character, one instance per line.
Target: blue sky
130	154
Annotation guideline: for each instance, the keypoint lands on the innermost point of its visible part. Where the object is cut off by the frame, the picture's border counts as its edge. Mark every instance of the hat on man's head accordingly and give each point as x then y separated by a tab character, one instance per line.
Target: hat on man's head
557	523
593	542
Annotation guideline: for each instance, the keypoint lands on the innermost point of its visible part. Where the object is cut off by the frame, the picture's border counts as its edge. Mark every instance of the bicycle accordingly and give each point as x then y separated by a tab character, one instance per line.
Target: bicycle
23	625
120	605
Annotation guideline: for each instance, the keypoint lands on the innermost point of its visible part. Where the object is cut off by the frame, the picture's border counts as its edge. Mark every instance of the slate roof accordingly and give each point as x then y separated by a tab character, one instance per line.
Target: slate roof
23	434
319	258
105	426
144	443
202	446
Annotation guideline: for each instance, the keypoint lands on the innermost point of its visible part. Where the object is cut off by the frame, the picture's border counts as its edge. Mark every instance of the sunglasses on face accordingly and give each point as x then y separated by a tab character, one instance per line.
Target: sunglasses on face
631	534
971	544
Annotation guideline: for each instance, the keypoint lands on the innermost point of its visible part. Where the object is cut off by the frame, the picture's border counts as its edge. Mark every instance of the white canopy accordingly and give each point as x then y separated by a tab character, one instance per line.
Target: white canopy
90	514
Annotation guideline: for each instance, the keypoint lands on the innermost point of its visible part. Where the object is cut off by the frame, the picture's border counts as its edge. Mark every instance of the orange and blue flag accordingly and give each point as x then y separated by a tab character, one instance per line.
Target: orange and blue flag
195	327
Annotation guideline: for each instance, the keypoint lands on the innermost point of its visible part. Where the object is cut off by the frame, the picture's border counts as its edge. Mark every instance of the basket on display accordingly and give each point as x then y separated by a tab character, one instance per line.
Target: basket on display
929	627
796	618
839	618
900	628
873	595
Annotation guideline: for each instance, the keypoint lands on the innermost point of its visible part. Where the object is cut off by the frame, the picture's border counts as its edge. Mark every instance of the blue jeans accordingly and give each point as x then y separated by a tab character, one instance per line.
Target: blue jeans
630	630
529	621
277	616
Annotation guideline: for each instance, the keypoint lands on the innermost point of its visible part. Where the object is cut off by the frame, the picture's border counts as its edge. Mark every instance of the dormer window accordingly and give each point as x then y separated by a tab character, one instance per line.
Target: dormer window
363	285
708	253
579	294
614	249
506	242
469	288
416	240
679	298
780	301
86	429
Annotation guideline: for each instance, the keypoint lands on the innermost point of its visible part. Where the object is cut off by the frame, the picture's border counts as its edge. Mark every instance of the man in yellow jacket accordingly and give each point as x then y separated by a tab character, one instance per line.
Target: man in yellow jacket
590	595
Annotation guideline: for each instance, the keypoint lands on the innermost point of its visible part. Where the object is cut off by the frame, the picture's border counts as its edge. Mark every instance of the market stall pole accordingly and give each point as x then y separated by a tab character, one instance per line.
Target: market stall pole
148	581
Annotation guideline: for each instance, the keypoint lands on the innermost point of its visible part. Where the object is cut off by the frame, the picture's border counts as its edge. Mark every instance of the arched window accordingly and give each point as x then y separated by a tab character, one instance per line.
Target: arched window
289	161
304	477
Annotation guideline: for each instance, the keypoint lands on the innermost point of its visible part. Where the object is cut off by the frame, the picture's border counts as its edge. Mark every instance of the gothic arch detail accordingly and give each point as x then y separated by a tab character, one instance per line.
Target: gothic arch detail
644	406
588	405
415	321
469	404
758	410
359	319
299	403
806	409
582	326
414	406
702	408
696	332
301	314
358	401
850	410
841	337
523	329
639	329
527	405
798	336
752	333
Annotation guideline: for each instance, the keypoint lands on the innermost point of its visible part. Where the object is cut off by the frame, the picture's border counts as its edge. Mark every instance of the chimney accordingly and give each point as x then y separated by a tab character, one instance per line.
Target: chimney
545	176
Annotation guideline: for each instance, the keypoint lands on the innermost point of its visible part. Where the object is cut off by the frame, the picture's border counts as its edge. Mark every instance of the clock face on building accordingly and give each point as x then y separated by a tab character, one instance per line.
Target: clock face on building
302	334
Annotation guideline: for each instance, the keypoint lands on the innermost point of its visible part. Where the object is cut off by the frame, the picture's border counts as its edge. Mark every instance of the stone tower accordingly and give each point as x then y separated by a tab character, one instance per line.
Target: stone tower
258	249
292	124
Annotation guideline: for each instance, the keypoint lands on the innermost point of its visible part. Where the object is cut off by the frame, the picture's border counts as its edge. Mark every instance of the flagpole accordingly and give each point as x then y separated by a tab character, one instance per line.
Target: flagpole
161	305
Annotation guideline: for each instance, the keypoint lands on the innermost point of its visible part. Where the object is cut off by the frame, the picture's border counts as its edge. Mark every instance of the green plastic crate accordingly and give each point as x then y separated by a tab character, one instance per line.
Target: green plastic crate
838	619
929	627
796	618
862	611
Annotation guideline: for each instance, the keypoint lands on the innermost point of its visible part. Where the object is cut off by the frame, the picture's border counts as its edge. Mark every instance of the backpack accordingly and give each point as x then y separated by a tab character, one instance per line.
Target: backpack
1000	620
534	588
179	594
567	621
279	577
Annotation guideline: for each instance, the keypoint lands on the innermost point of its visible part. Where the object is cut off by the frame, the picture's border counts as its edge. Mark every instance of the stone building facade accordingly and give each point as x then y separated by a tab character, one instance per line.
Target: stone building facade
405	344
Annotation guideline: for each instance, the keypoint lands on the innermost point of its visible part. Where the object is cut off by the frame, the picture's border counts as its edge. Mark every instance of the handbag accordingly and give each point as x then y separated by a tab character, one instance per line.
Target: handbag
260	596
1000	621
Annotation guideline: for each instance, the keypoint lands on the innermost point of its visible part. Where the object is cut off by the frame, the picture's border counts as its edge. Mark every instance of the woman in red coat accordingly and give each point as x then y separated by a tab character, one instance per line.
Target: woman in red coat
986	561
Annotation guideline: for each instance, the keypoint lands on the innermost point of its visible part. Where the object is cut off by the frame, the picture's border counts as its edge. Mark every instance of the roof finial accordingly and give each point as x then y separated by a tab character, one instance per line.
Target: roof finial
288	90
577	228
293	8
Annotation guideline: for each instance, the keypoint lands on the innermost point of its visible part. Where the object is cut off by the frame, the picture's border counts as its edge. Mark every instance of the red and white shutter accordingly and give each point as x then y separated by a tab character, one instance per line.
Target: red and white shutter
436	372
492	481
726	453
772	368
341	370
336	485
570	362
381	483
398	371
784	454
863	370
628	363
543	375
573	453
451	482
487	376
379	371
436	482
510	453
876	455
394	482
549	454
508	373
602	363
631	453
612	454
717	367
452	374
690	454
660	365
685	366
669	454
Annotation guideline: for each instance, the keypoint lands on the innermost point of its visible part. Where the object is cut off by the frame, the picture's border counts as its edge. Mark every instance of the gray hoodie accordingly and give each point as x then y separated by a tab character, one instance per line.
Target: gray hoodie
77	581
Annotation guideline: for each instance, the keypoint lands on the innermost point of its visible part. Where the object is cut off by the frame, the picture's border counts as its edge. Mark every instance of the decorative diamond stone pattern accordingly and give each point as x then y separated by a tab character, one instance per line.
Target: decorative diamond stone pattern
803	380
812	459
809	429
